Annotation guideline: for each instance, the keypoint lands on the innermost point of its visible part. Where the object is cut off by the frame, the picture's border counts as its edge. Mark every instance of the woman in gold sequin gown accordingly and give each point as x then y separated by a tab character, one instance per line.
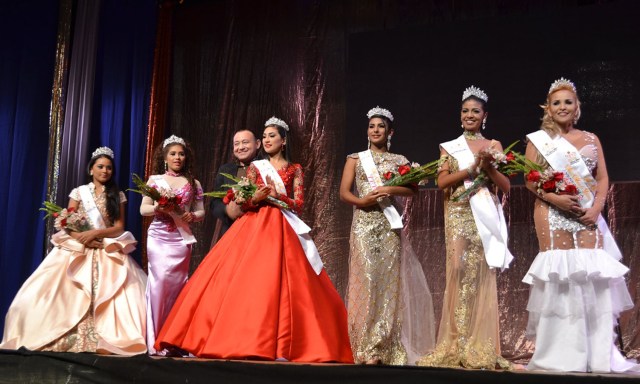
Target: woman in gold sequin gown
87	295
468	332
577	281
378	310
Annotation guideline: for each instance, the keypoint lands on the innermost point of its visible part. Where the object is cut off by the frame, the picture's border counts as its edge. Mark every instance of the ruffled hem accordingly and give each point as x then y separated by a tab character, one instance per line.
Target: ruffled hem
576	265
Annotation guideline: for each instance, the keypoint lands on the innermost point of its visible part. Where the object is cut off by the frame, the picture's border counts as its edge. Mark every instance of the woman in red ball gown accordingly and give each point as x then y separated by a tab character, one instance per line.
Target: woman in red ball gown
261	292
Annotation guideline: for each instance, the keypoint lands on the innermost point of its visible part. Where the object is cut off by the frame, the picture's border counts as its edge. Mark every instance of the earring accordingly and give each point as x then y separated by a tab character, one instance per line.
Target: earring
166	167
484	123
388	143
368	143
91	173
462	126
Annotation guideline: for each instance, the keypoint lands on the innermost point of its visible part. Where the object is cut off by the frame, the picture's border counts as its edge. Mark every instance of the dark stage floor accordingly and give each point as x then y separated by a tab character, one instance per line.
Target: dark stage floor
47	367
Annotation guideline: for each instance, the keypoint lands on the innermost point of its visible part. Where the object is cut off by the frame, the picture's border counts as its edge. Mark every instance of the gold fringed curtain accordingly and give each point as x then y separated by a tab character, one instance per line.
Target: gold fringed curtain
159	98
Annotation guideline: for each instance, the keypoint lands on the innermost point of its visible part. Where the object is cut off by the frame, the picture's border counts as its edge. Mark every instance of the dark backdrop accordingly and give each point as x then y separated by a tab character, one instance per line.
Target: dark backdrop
419	72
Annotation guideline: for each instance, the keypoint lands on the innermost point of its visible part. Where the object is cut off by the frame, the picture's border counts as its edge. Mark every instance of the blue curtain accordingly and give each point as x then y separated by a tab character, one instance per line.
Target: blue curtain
124	67
27	61
124	62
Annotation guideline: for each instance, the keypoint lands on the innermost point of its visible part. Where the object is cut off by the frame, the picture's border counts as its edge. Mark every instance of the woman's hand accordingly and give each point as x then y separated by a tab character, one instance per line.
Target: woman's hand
372	197
589	216
188	217
567	203
87	237
261	194
272	185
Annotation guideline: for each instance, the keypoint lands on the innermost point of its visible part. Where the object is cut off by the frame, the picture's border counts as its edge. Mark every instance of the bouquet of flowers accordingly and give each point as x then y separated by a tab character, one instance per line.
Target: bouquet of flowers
507	162
165	197
411	175
241	192
551	181
66	218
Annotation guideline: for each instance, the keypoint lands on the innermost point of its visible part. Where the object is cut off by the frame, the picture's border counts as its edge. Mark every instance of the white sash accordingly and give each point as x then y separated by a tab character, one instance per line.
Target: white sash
488	215
563	156
90	207
97	221
183	228
373	176
302	230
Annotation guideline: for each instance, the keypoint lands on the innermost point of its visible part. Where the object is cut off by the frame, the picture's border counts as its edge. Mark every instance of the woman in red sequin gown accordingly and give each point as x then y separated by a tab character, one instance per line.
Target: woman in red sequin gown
255	295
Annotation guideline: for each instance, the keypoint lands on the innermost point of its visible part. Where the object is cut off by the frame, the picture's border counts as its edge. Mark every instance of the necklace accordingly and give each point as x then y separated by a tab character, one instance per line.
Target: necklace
174	174
471	135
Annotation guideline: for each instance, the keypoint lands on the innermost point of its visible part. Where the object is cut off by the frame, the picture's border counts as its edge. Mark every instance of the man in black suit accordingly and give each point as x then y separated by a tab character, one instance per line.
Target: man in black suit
245	149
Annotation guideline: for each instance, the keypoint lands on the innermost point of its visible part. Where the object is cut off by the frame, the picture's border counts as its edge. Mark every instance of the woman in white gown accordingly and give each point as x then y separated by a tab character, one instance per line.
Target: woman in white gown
87	295
577	284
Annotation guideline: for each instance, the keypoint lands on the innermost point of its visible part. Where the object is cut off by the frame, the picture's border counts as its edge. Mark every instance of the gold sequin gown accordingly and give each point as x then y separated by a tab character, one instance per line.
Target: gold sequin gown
468	333
375	301
81	299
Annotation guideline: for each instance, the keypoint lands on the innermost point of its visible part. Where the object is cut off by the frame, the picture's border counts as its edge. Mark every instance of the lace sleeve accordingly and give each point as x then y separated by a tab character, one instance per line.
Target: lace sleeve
297	202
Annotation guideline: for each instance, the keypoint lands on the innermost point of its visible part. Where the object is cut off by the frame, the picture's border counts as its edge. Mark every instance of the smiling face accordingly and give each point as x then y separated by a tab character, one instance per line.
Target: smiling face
102	170
563	107
378	132
175	157
272	141
245	146
471	114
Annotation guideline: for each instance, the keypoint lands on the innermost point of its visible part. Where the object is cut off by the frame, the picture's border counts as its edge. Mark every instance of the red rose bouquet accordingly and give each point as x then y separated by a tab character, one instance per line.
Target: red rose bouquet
551	181
166	199
411	175
242	191
66	218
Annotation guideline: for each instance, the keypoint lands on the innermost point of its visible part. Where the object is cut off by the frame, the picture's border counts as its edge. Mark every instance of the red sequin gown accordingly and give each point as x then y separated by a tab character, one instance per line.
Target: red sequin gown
255	295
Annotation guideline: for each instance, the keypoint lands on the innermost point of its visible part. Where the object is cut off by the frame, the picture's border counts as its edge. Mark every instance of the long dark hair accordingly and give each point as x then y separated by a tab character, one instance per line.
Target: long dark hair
287	148
187	167
110	187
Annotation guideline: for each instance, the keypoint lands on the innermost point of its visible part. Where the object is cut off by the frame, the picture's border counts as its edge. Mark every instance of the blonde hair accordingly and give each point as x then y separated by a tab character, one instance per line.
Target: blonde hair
548	125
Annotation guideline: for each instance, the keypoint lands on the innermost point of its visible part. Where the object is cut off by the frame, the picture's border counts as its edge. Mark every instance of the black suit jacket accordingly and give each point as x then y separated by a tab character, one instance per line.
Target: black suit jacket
217	206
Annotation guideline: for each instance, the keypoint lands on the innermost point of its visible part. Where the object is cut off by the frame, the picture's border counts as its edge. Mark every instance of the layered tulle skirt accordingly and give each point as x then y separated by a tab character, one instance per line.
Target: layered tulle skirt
575	299
255	296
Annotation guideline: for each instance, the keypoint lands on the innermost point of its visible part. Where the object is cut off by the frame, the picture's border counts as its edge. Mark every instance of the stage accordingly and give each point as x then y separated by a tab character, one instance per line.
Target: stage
49	367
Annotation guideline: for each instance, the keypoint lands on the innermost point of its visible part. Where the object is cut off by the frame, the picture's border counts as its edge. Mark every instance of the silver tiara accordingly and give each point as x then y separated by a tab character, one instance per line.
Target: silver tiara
275	121
102	151
474	91
173	139
559	83
380	112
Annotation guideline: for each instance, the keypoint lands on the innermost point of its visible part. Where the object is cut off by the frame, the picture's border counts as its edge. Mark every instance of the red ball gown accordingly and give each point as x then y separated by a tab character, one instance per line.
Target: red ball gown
255	295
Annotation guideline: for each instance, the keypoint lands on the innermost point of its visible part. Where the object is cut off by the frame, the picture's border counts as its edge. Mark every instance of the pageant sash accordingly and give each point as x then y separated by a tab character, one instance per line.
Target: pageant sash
183	228
266	169
90	207
563	156
373	176
488	215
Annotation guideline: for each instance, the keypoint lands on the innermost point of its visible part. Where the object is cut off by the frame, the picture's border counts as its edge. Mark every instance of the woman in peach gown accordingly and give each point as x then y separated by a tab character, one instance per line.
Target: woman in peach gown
88	294
261	293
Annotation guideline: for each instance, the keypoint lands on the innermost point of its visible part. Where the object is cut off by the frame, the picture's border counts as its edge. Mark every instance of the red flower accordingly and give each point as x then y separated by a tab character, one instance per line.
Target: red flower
549	186
229	197
56	214
388	175
63	223
178	199
404	169
510	156
570	190
71	210
533	176
163	201
558	176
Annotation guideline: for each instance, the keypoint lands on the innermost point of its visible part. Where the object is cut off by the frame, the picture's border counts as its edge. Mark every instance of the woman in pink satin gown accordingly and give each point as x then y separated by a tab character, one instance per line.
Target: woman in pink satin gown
169	238
88	294
257	294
